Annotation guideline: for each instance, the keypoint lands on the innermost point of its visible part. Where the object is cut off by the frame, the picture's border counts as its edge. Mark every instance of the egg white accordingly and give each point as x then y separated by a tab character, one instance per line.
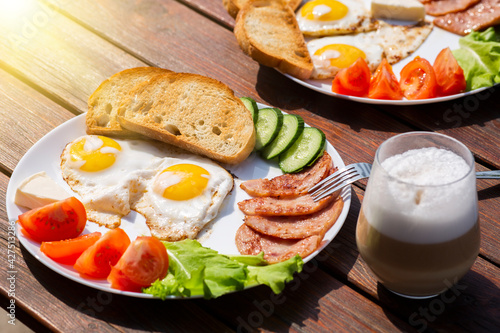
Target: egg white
357	19
175	220
399	41
107	194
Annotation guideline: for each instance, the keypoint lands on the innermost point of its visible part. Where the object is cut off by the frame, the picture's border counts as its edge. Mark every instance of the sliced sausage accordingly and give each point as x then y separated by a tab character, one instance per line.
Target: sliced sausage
290	184
251	242
296	227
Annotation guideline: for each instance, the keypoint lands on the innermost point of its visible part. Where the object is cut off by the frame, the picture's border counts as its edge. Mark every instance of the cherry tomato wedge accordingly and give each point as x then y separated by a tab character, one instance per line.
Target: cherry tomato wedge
418	80
96	261
384	84
449	75
68	250
353	80
144	262
56	221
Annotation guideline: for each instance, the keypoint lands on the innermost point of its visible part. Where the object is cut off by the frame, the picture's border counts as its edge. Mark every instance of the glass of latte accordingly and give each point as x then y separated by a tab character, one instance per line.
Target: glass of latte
418	228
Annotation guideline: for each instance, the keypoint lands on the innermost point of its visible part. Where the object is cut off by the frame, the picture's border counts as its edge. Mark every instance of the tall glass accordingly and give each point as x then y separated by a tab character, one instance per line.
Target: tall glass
418	228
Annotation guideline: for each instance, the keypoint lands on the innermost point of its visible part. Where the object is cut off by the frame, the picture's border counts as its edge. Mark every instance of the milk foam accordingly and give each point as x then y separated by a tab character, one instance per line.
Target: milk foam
421	196
426	166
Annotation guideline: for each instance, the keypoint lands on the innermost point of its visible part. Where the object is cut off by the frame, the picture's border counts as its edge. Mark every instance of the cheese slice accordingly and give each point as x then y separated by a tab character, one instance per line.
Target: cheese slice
401	10
39	190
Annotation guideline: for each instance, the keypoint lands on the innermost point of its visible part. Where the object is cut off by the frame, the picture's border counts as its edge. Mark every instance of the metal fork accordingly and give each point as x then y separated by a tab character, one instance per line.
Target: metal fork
357	171
340	179
494	174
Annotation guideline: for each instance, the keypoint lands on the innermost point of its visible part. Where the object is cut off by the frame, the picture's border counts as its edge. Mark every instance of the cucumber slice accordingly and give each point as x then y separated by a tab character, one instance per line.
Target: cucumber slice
305	150
251	105
267	127
292	128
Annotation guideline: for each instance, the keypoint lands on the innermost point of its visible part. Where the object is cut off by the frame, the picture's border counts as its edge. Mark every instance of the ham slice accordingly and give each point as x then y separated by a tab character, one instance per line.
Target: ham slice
251	242
442	7
478	17
281	219
299	226
268	206
291	184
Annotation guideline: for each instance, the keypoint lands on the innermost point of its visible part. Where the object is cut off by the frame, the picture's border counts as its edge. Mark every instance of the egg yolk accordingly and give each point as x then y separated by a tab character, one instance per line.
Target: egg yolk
95	152
182	182
340	55
324	10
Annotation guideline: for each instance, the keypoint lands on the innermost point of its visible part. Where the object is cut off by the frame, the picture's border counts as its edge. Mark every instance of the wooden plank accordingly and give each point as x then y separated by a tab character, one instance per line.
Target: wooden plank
62	58
162	33
213	9
312	302
28	115
489	219
474	120
467	306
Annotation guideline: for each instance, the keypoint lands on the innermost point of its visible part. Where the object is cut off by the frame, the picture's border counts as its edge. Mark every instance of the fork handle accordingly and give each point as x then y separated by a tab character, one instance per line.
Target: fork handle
495	174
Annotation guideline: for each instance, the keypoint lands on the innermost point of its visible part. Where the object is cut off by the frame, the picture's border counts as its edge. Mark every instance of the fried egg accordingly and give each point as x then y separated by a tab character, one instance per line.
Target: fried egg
331	54
176	192
394	42
185	194
108	174
334	17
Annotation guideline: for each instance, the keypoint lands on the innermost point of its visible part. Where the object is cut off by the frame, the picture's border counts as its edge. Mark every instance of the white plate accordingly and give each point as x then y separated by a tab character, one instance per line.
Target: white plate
437	40
219	235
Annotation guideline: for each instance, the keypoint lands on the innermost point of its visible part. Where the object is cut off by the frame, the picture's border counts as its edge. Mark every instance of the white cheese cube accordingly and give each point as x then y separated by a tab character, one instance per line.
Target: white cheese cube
402	10
39	190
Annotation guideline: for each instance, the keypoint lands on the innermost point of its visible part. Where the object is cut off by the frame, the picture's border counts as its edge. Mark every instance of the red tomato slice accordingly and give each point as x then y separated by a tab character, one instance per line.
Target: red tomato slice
96	261
144	262
60	220
353	80
449	75
68	250
418	80
384	84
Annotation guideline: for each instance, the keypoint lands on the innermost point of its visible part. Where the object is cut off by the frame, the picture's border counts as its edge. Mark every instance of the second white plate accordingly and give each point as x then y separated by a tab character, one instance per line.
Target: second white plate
437	40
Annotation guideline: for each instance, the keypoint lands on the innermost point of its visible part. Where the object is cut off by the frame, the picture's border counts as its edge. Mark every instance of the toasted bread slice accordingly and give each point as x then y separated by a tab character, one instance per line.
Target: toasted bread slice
104	102
193	112
234	6
267	31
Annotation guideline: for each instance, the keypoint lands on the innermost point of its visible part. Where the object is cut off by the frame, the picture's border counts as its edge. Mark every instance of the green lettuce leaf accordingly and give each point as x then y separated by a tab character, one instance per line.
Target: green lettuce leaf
257	260
195	270
275	276
479	57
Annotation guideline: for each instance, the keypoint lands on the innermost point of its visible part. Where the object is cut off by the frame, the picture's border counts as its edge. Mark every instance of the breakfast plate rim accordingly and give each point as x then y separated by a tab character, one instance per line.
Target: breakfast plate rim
313	85
22	171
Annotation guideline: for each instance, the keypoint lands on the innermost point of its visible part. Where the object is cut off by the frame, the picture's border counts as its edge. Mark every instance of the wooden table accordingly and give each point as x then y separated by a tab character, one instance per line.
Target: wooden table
55	54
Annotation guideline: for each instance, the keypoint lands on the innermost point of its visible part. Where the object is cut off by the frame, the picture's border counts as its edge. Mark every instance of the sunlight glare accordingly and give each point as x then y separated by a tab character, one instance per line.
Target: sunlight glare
12	9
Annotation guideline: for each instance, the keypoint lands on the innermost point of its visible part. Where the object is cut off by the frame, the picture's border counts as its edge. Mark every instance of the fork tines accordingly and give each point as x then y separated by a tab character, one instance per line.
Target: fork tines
339	179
